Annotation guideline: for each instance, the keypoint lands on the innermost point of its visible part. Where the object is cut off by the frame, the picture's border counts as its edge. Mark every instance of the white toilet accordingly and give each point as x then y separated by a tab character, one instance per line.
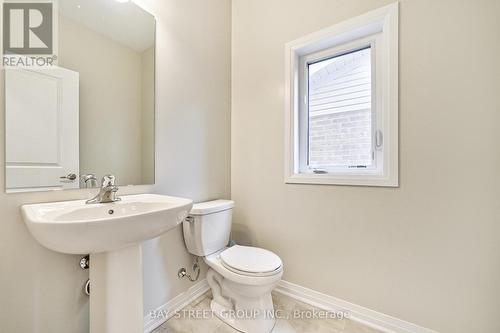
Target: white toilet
241	277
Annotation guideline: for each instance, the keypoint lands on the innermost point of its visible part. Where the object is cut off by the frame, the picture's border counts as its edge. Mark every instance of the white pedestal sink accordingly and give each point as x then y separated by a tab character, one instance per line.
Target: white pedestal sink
111	233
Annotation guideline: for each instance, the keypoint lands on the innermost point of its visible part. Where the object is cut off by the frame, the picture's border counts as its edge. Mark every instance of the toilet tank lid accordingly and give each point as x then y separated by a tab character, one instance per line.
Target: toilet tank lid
210	207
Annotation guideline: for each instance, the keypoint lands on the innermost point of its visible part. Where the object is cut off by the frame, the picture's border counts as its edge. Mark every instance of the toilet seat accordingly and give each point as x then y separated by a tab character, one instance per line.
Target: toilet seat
250	261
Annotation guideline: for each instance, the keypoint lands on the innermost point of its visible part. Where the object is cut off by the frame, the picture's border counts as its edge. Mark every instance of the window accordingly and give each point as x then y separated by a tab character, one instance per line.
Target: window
339	112
342	103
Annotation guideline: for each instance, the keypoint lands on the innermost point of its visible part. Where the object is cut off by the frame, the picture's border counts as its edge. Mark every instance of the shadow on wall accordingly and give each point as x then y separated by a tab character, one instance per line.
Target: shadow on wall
163	257
242	235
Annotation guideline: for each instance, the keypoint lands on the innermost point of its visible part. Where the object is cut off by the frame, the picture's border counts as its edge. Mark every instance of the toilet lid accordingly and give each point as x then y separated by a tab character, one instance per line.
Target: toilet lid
249	259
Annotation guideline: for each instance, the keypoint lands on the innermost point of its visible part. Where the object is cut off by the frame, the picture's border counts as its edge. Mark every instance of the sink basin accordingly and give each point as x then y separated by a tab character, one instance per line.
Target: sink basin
112	234
77	228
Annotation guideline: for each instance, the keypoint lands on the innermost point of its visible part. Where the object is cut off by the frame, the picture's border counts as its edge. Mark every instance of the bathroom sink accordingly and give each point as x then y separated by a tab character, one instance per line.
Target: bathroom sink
78	228
112	234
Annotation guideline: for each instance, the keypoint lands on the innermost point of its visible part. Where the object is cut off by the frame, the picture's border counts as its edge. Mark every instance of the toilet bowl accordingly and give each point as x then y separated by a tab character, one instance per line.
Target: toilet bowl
241	277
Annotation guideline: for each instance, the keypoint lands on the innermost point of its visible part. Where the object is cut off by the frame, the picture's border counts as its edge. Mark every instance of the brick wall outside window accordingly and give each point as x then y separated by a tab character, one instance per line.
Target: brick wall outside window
340	139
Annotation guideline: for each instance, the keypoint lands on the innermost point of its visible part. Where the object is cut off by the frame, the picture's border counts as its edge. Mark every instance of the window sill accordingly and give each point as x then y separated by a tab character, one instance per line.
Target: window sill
331	179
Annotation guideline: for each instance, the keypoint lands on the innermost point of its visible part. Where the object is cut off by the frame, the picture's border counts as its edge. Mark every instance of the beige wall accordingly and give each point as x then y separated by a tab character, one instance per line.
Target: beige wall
40	290
193	125
427	252
111	102
148	116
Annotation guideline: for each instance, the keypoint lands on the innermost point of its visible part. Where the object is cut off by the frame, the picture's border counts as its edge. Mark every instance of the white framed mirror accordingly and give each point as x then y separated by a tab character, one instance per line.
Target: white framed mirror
92	113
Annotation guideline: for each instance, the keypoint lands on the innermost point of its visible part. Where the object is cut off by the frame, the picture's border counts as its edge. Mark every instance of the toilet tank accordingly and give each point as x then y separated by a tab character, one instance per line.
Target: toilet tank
207	227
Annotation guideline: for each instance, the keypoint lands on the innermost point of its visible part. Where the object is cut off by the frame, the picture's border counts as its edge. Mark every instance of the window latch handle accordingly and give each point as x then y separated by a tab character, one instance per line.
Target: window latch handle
379	139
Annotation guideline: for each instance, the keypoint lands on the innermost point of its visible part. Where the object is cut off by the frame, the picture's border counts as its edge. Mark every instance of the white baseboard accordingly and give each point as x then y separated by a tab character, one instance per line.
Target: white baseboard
357	313
177	303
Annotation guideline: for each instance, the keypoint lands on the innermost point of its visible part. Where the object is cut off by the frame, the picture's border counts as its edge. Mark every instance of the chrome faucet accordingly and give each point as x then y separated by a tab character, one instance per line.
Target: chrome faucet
107	193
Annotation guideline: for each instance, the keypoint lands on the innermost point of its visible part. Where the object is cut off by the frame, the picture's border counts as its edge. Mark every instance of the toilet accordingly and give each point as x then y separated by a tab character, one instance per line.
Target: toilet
241	277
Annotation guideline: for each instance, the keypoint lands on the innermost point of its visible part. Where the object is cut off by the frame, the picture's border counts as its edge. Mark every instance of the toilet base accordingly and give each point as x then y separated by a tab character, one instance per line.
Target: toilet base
248	309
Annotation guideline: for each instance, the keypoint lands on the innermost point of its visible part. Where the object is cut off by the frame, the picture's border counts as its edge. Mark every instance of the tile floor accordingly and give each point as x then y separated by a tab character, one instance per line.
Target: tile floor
190	322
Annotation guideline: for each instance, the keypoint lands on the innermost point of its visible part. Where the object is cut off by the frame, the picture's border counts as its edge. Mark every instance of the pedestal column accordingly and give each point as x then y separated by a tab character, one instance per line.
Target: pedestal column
116	293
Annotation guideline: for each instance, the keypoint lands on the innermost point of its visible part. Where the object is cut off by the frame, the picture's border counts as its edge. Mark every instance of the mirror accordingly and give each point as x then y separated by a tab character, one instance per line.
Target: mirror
93	114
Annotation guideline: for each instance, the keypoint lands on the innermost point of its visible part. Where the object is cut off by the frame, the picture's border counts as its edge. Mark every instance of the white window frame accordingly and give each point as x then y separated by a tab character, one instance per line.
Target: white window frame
368	42
377	29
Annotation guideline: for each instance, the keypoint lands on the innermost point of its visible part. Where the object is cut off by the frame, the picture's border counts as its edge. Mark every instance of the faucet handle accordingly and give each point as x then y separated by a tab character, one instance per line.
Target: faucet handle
108	180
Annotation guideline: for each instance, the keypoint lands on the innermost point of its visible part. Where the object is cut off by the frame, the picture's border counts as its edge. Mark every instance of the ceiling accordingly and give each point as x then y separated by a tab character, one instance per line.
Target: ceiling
125	23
